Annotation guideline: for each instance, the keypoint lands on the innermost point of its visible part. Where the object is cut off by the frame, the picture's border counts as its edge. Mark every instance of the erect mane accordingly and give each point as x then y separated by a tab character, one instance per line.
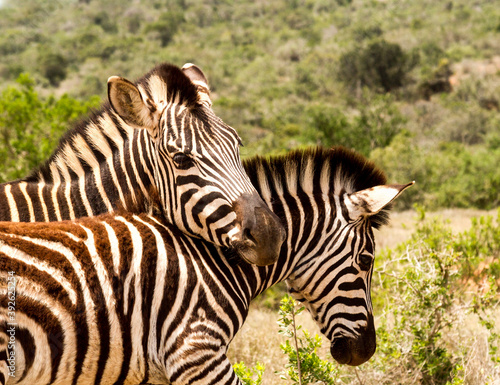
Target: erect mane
348	172
166	79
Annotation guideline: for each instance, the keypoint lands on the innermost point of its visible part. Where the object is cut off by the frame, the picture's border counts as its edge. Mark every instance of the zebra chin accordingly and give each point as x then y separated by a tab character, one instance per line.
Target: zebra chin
355	351
260	234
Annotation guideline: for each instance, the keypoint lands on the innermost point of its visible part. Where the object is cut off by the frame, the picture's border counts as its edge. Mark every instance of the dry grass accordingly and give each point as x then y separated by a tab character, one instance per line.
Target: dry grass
258	340
403	223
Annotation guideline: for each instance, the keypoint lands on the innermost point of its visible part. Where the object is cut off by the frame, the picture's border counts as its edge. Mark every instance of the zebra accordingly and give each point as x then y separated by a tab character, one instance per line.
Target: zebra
127	298
160	133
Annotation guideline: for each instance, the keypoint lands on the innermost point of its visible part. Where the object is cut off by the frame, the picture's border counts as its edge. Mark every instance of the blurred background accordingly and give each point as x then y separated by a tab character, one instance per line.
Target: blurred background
413	85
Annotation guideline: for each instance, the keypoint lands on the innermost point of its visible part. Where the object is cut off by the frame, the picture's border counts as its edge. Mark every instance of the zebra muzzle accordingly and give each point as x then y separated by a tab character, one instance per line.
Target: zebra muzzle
261	232
355	351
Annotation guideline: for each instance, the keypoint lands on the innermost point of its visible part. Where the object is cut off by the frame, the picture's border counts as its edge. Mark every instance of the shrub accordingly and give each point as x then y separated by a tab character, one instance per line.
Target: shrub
53	67
449	175
166	26
377	122
30	127
380	66
304	365
425	299
249	376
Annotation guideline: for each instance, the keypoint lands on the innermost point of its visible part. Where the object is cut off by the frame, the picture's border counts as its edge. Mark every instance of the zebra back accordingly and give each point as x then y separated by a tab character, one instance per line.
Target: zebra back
158	132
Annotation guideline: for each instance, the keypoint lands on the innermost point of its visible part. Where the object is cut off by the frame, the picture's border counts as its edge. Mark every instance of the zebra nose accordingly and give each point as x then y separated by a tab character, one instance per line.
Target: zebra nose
262	233
355	351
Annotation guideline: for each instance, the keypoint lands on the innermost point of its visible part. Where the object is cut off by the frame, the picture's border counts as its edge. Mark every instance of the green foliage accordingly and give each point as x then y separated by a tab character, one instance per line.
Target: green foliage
166	26
304	365
381	66
249	376
30	127
425	292
480	245
452	176
53	67
377	122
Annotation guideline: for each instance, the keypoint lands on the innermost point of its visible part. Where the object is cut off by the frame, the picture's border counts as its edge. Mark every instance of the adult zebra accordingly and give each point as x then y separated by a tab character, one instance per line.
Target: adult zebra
127	299
160	132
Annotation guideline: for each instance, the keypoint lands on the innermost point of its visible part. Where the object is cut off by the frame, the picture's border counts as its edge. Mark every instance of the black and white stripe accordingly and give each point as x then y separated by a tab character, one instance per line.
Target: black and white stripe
158	133
124	298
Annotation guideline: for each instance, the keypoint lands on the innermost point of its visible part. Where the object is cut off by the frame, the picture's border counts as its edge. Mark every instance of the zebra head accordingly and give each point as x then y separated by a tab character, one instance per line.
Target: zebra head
197	168
336	287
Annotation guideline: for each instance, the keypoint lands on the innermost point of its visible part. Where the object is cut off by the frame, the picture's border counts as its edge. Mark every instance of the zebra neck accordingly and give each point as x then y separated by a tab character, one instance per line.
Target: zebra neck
308	218
76	183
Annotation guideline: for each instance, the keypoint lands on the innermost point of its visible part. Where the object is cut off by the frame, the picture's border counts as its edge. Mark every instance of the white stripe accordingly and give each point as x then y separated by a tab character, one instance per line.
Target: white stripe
161	270
115	359
73	162
88	156
40	264
115	247
14	214
41	186
67	185
55	187
22	187
137	361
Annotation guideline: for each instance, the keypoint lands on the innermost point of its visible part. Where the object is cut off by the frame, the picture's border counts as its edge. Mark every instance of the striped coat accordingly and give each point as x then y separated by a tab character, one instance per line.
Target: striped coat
127	298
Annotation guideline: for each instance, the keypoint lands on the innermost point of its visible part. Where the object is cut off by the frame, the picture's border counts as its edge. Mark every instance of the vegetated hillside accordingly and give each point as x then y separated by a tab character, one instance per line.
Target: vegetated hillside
414	85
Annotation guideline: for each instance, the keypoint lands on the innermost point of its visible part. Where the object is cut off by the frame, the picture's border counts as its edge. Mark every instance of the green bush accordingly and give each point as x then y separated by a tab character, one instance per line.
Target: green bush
304	365
450	175
166	26
249	376
423	291
381	66
53	66
30	127
375	125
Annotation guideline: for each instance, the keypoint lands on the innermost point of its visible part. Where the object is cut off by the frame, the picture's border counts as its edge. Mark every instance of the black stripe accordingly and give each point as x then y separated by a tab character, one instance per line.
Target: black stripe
148	281
32	191
63	203
21	203
47	198
5	214
24	337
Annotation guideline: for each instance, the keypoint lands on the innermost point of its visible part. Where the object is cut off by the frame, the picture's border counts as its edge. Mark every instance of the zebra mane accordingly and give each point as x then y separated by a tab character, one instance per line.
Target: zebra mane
341	169
165	82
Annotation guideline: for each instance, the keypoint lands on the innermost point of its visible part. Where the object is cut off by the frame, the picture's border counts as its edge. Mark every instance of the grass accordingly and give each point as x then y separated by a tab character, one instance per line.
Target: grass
259	341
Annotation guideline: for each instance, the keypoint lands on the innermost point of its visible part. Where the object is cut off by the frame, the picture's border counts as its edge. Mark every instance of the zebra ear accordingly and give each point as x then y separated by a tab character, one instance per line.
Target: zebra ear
197	77
370	201
127	101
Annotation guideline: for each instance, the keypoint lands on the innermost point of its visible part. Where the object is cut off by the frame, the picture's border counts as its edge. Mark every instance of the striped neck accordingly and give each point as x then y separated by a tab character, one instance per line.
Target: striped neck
69	185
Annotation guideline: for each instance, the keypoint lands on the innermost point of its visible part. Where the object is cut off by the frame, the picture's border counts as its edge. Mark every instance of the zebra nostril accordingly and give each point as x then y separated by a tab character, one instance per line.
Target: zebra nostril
340	350
247	236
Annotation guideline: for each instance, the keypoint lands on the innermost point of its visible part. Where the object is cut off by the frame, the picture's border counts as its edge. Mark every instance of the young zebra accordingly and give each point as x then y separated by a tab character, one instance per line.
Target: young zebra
129	299
160	132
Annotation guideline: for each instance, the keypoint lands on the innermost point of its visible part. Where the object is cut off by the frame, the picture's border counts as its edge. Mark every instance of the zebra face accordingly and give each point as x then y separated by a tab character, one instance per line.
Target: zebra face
334	285
339	301
197	168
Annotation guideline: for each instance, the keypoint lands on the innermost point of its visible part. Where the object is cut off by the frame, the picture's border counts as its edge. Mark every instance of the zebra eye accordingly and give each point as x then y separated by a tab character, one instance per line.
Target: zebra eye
365	261
182	161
